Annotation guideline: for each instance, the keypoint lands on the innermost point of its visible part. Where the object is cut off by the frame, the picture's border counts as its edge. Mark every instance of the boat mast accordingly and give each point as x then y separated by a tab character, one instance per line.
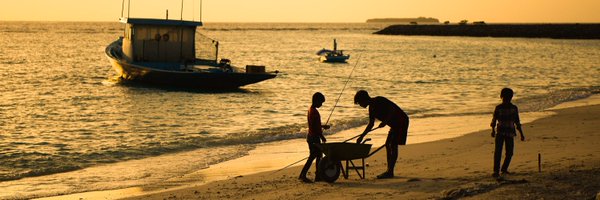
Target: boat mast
181	14
122	12
194	11
122	7
334	45
181	10
181	36
128	8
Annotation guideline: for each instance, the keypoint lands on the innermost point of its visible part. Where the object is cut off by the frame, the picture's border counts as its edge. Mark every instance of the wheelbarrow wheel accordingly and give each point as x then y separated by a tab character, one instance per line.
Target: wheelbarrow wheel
329	170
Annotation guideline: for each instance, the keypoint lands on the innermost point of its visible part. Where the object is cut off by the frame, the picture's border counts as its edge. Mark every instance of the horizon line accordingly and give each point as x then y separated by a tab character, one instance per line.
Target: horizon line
365	21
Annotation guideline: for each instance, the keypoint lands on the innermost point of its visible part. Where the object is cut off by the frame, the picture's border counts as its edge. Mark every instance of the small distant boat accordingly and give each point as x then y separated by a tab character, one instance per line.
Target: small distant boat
326	55
164	52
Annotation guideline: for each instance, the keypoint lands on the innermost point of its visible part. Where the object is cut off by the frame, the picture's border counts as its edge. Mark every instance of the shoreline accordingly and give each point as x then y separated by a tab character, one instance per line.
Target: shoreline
554	31
287	176
451	168
156	174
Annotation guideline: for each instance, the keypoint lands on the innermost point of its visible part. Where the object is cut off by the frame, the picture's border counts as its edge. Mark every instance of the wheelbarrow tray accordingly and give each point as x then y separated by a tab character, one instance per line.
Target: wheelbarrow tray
345	151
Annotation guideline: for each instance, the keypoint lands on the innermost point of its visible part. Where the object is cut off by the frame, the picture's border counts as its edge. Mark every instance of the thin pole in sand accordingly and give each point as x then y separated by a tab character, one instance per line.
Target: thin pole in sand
539	162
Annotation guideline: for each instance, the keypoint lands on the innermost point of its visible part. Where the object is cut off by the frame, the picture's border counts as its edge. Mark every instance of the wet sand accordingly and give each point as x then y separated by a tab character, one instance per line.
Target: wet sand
568	143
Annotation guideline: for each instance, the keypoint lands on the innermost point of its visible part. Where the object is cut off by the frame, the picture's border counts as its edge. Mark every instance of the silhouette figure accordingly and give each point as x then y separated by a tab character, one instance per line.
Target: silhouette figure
391	115
506	115
314	137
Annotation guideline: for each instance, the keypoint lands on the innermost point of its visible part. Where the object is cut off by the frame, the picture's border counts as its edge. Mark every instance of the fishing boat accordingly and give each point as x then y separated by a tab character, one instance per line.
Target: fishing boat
335	55
170	52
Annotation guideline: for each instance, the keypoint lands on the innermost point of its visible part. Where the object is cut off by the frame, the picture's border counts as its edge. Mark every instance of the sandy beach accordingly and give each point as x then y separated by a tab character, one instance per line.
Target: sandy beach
567	141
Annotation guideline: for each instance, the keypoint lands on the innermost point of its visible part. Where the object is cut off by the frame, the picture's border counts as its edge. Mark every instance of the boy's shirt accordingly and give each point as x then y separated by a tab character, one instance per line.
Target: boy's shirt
507	116
314	122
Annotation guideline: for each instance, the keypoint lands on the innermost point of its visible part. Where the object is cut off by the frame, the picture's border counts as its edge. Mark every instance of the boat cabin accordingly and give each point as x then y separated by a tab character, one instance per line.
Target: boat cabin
159	40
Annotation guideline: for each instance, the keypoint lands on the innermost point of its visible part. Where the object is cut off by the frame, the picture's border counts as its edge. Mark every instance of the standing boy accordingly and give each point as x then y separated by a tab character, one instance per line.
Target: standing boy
314	136
507	116
391	115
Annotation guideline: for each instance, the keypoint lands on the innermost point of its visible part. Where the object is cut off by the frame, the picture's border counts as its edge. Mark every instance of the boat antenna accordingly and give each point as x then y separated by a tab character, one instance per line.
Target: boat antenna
193	10
200	11
347	80
181	10
122	7
128	8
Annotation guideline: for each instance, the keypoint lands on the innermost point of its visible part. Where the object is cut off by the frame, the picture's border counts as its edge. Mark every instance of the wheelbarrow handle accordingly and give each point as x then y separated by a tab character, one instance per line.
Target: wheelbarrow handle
359	135
366	140
376	150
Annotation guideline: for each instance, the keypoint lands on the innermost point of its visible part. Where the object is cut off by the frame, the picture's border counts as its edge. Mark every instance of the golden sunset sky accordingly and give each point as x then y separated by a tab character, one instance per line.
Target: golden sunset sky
307	10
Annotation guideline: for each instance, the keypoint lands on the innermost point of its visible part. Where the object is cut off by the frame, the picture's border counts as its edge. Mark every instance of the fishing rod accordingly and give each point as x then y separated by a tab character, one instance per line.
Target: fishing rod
347	80
290	165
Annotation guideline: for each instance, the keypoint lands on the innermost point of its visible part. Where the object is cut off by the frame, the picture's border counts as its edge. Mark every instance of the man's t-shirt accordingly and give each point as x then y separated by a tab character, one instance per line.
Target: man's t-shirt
387	111
392	115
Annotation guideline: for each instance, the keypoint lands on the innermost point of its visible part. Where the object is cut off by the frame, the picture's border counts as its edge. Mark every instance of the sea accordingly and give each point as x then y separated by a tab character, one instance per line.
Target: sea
62	109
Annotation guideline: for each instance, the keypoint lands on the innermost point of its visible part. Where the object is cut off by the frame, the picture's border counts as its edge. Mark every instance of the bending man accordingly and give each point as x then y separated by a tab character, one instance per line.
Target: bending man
391	115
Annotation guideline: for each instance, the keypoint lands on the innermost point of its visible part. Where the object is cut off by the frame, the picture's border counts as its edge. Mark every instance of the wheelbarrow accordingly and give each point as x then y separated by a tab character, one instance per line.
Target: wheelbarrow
331	166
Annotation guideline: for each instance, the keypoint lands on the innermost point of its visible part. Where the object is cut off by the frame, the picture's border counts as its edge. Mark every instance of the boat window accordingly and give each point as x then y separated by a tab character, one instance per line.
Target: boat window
175	34
164	43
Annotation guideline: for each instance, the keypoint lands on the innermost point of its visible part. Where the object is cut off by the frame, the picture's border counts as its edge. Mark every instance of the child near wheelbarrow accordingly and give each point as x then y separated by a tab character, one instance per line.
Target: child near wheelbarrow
314	136
391	115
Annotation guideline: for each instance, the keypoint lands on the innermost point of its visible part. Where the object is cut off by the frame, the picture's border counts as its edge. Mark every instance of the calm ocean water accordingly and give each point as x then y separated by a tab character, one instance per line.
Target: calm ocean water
61	108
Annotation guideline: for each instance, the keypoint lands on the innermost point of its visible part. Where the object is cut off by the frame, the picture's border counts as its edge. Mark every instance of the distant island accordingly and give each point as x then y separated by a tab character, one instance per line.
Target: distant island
426	20
481	29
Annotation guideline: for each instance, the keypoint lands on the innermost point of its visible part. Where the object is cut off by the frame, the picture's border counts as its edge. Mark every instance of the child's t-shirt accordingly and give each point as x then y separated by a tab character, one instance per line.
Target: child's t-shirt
314	123
507	116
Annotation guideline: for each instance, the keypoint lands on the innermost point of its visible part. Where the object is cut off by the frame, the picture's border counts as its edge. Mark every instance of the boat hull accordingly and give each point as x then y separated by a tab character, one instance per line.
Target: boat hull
339	59
180	78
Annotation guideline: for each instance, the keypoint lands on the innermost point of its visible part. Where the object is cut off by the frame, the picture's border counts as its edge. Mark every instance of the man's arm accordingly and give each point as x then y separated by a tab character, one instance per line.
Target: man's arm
367	129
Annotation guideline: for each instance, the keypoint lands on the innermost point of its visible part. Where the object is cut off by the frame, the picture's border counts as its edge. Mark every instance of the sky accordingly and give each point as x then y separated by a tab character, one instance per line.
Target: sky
518	11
